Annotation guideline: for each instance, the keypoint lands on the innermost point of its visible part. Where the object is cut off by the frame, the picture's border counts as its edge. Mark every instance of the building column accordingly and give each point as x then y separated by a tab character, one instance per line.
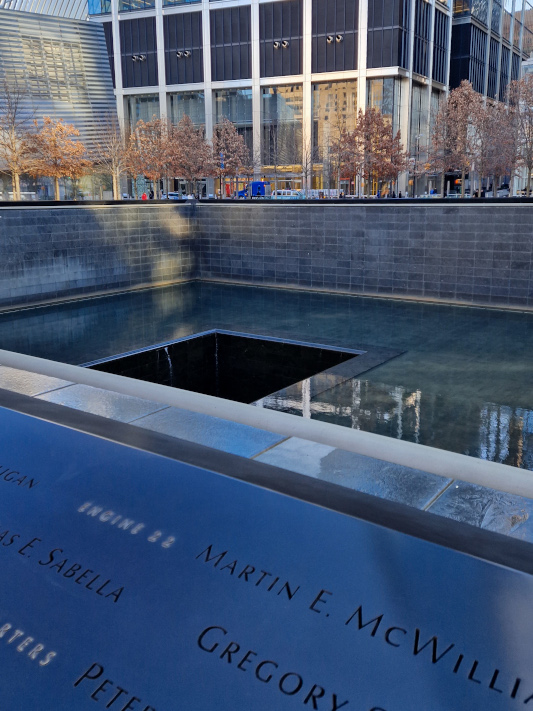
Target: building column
208	90
117	59
362	46
256	91
161	70
427	127
307	98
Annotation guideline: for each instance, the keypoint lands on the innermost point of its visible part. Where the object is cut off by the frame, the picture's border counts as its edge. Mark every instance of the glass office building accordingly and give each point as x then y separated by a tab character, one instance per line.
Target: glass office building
291	73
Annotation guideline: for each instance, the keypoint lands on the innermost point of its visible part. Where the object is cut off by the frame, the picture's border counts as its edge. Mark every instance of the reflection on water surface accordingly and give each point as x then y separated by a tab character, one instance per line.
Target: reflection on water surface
462	383
485	430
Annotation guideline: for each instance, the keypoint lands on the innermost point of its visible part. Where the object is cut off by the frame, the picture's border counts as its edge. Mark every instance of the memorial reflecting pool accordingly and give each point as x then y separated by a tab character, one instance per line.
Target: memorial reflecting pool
462	381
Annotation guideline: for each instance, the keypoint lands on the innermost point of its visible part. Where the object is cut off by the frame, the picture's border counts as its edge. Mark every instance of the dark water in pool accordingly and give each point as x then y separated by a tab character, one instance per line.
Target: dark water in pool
464	382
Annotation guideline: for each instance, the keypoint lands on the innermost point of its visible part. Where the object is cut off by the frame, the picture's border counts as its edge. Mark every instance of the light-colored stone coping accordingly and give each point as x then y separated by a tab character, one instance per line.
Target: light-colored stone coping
497	476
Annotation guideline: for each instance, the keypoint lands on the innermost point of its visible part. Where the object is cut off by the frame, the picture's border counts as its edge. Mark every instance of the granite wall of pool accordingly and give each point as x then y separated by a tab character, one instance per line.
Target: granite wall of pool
51	253
473	253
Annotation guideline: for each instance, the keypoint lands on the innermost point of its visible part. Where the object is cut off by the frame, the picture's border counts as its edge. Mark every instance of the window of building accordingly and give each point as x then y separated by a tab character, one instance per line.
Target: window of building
187	103
527	39
99	7
517	29
419	122
528	16
131	5
334	111
334	35
422	36
461	7
440	47
388	44
231	49
436	97
492	81
478	42
496	17
519	14
236	106
506	19
480	10
281	128
504	72
515	66
138	49
141	108
385	95
178	2
183	47
280	38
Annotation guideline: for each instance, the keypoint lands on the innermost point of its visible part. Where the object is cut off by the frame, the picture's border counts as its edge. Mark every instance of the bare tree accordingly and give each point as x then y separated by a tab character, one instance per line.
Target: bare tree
521	102
441	153
56	153
309	159
16	122
372	151
111	152
397	161
150	151
230	152
190	156
496	143
465	105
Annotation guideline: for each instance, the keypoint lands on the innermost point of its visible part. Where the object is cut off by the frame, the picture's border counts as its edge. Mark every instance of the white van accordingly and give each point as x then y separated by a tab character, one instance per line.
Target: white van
287	195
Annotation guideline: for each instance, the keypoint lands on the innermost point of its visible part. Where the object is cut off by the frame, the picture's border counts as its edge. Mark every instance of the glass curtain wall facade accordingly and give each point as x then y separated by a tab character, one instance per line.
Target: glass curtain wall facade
236	106
386	95
187	103
141	108
277	83
334	111
281	132
489	40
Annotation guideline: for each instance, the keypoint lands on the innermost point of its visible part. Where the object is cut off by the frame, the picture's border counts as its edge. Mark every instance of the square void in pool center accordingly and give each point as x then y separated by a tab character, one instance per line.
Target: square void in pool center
234	366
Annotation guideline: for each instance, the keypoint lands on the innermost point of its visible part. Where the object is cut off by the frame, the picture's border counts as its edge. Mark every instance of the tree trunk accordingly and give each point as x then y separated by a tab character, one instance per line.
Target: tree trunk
56	189
442	177
116	194
528	189
15	180
463	173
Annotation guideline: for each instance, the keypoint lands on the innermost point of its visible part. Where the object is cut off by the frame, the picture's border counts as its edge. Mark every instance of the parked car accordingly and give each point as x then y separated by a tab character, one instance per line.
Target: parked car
173	196
501	192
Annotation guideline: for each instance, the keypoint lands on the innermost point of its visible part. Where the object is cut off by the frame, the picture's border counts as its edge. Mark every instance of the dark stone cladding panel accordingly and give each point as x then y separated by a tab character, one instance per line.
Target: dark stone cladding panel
474	254
51	253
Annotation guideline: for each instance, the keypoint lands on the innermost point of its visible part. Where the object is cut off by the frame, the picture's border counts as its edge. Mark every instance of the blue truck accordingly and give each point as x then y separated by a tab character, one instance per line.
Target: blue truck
256	188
